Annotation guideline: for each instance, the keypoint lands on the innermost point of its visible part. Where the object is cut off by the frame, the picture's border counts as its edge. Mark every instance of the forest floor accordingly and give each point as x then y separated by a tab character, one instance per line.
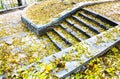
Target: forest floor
18	45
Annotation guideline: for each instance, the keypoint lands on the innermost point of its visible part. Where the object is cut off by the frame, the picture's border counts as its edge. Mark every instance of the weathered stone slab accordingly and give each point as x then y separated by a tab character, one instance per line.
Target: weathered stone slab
38	29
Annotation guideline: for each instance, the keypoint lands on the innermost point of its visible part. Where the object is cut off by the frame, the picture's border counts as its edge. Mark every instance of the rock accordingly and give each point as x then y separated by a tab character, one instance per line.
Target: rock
21	56
69	30
16	50
47	45
9	41
1	44
66	2
37	41
74	33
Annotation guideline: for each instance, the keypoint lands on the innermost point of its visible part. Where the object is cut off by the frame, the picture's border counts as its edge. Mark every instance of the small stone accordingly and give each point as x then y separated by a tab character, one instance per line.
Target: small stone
74	33
66	2
15	50
47	45
69	30
9	41
1	44
21	56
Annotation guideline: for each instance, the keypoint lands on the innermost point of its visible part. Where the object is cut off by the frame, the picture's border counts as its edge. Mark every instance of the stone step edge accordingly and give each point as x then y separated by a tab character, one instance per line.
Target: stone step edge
101	49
